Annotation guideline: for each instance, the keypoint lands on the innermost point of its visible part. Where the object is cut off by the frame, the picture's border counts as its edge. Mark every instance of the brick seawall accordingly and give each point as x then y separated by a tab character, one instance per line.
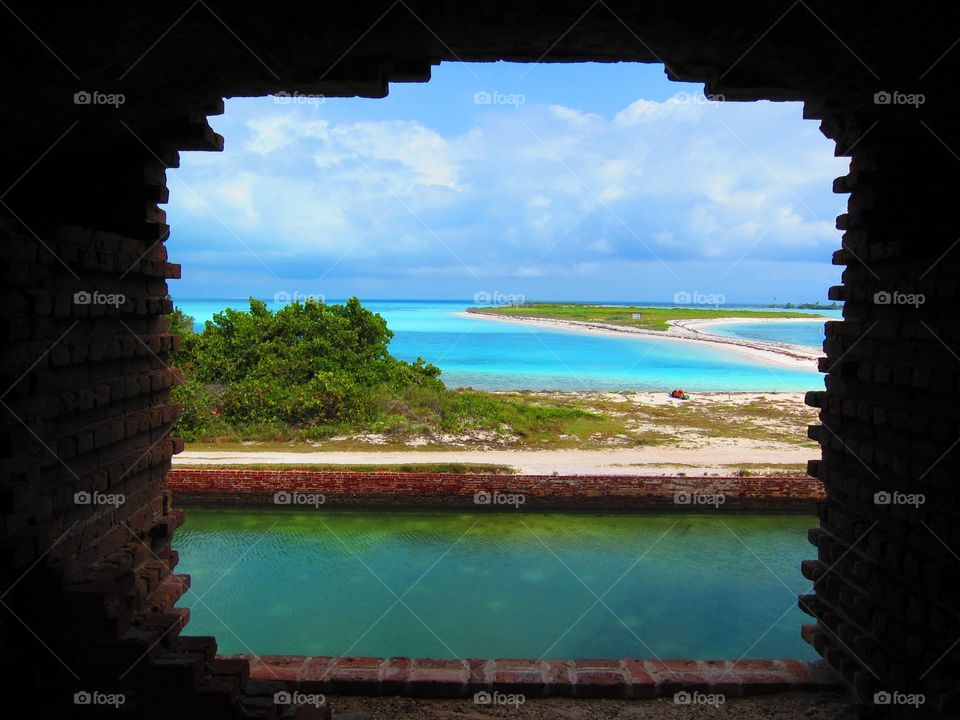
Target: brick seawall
613	678
505	492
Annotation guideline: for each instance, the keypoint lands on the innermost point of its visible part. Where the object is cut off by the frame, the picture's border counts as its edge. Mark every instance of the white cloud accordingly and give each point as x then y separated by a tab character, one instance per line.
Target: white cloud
271	133
419	151
533	190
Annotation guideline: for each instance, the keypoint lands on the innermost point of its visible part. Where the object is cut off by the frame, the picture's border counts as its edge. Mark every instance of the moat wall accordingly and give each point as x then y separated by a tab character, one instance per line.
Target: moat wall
497	492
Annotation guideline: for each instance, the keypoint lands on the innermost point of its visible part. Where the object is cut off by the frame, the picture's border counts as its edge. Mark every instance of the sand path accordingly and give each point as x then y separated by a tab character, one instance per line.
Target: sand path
619	461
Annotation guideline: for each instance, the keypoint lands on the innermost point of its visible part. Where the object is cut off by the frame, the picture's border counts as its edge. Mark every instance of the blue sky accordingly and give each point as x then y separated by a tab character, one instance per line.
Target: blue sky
578	182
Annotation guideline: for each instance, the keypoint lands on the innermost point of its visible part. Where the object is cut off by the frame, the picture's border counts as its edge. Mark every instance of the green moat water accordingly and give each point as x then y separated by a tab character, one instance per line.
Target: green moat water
450	584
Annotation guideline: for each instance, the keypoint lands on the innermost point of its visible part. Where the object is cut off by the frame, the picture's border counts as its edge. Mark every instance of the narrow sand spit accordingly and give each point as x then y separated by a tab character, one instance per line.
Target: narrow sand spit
796	356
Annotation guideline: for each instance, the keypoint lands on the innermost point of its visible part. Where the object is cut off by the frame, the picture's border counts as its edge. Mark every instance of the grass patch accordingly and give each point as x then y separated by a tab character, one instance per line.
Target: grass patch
540	421
650	318
737	469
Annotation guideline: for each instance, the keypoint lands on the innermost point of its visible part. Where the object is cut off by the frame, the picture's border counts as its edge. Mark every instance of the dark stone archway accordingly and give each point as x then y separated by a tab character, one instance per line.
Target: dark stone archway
89	590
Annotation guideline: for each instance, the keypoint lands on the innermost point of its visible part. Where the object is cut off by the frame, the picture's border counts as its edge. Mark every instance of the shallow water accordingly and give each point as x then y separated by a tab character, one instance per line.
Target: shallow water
810	333
491	355
515	584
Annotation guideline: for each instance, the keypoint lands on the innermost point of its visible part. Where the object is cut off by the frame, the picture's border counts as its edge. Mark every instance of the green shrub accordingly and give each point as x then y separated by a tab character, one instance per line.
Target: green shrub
310	371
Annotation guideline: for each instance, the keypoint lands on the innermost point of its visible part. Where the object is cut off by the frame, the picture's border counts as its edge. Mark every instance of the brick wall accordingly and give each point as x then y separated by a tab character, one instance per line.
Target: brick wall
605	678
887	576
86	567
459	490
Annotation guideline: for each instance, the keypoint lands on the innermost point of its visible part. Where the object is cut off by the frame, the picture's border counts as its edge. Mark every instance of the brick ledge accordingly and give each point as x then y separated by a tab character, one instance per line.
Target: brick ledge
583	678
394	489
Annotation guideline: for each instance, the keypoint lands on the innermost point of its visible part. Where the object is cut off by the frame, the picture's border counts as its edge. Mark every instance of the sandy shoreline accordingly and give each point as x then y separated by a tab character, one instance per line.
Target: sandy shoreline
691	331
615	461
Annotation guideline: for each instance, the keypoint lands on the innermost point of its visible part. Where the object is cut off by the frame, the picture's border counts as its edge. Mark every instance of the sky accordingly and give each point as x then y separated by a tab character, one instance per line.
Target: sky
542	182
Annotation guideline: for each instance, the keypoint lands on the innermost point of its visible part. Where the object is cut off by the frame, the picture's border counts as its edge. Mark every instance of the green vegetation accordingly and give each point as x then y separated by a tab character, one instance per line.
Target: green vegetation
312	371
808	306
320	377
650	318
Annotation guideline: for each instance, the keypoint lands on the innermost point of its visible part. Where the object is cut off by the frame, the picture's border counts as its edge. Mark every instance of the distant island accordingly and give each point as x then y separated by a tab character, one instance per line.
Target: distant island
686	324
649	318
808	306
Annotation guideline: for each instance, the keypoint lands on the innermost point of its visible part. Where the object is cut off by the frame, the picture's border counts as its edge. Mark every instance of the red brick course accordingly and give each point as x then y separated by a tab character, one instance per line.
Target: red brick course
619	679
451	489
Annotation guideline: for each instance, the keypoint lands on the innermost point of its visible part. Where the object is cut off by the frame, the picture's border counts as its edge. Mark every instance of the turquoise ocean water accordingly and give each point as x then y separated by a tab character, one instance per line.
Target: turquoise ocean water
491	355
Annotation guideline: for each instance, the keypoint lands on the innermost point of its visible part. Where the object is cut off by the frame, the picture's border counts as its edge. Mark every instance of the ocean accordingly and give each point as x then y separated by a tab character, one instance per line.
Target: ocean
490	355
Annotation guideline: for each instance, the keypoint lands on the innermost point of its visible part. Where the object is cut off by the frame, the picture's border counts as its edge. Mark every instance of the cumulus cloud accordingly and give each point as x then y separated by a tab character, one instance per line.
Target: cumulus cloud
537	190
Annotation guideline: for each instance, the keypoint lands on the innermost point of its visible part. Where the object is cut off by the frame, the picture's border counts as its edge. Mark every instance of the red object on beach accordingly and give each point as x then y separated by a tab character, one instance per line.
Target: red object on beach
678	394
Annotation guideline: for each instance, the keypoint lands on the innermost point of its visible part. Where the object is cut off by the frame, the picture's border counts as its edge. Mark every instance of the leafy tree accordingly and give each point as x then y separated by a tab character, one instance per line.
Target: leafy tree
307	364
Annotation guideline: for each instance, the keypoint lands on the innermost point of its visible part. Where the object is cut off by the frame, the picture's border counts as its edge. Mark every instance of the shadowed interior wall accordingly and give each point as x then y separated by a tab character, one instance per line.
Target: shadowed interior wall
89	587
